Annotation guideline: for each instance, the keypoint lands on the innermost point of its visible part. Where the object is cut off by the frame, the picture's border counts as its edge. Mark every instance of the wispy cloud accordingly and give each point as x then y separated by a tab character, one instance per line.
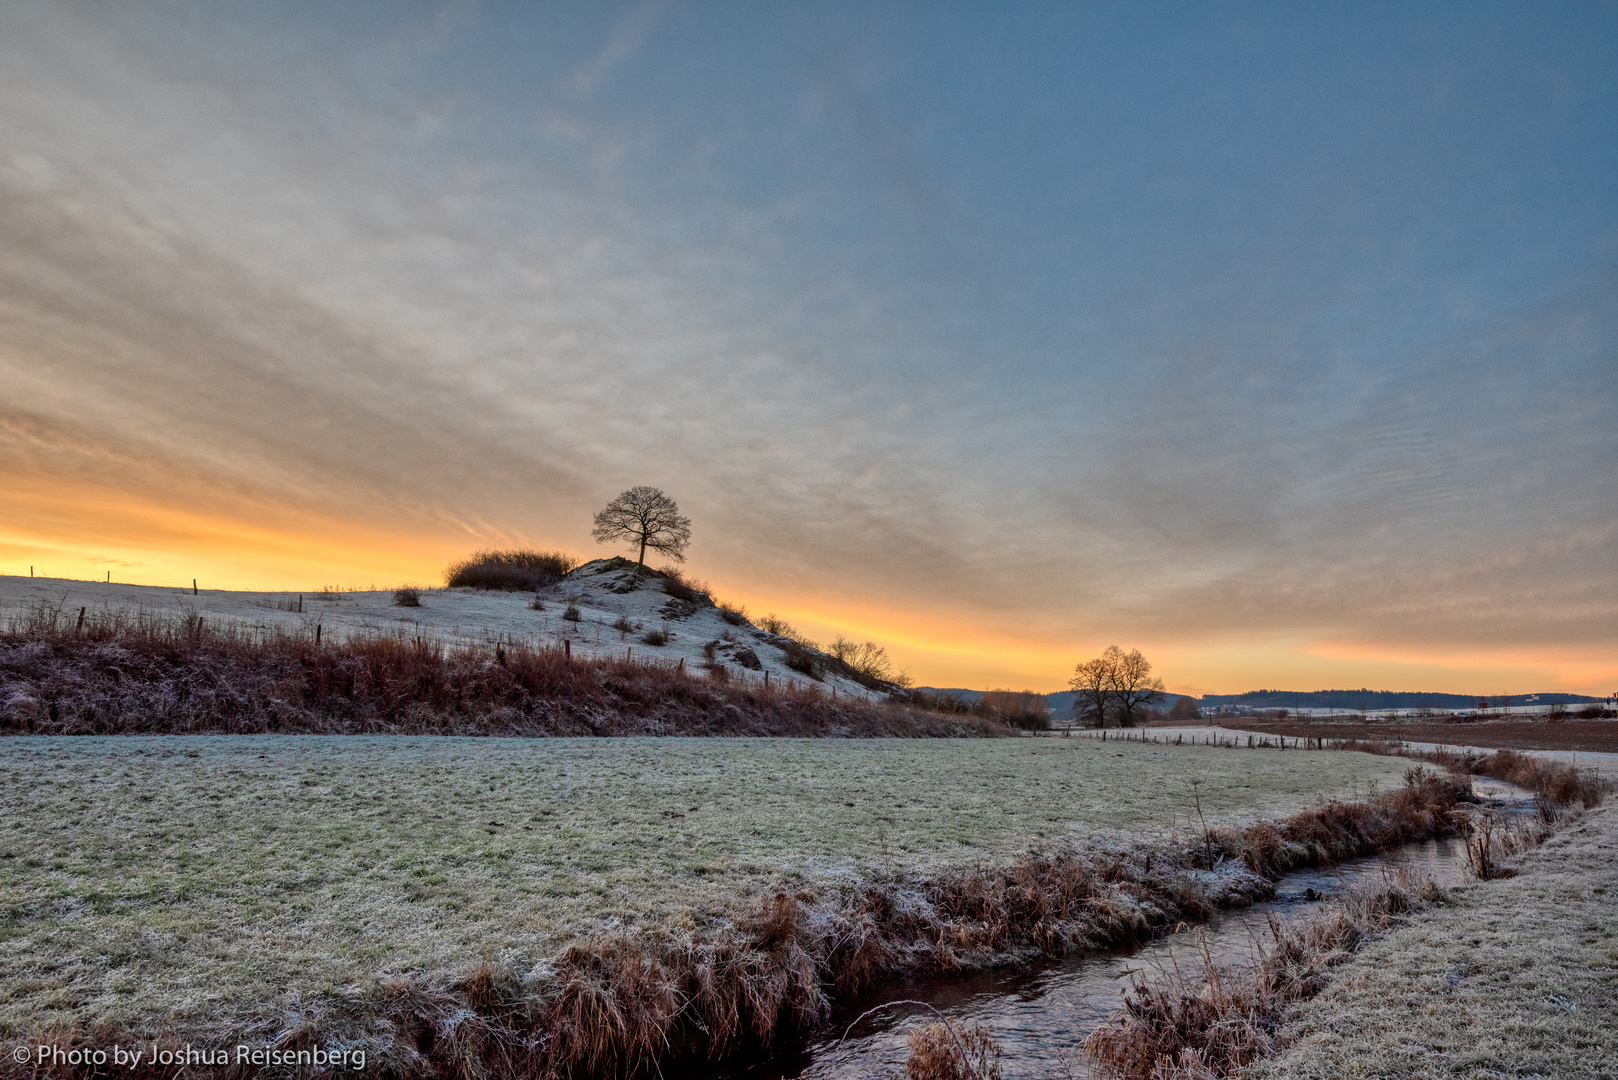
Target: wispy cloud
973	367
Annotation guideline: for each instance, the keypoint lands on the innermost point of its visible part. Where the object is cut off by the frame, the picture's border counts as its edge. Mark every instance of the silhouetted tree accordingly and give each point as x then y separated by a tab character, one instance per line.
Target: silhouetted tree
1092	680
1134	687
1115	684
644	516
1185	710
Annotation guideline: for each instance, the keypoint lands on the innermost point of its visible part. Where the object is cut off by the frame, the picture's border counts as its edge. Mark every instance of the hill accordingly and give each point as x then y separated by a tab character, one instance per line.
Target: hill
611	648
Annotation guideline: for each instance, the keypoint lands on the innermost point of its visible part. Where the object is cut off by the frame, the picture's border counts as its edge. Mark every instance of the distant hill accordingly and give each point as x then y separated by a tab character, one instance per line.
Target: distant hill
1344	700
1377	700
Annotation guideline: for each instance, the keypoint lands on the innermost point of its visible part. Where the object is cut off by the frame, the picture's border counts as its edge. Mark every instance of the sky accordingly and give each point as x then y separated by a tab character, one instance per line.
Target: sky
1278	341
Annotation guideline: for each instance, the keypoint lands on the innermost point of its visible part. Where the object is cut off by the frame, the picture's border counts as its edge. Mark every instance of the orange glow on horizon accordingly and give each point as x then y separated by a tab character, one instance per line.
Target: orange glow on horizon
91	529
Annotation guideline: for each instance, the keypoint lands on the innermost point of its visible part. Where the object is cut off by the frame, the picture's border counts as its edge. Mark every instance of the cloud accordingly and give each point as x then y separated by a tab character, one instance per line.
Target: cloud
341	282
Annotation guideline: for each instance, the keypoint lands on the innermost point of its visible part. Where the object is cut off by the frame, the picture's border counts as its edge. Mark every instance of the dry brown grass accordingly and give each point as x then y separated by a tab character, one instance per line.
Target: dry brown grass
1337	830
1560	784
1209	1024
122	673
941	1051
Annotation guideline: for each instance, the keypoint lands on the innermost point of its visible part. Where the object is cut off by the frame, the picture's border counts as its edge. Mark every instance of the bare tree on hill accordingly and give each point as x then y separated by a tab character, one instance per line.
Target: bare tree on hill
644	516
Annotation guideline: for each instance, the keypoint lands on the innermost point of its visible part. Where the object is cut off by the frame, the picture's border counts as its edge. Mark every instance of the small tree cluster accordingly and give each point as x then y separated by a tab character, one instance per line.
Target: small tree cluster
1026	709
865	657
1116	686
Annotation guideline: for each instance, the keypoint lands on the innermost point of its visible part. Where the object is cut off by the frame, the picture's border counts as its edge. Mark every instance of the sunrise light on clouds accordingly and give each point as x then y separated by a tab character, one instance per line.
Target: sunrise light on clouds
1277	342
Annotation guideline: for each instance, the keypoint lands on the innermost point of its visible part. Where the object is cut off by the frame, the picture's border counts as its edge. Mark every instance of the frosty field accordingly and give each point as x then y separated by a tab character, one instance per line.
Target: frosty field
144	879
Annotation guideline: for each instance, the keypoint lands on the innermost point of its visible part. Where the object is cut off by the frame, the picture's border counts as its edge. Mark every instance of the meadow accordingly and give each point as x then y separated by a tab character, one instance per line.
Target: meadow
166	881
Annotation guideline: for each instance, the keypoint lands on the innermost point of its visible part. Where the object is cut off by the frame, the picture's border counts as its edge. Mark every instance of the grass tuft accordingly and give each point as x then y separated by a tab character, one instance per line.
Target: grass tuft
938	1051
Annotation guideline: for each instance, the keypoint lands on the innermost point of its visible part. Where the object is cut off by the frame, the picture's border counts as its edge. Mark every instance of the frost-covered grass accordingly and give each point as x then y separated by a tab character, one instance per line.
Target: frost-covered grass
1513	978
157	877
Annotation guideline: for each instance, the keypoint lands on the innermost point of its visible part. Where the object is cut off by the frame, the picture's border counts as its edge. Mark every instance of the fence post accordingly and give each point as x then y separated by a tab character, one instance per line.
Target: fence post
79	628
567	648
193	586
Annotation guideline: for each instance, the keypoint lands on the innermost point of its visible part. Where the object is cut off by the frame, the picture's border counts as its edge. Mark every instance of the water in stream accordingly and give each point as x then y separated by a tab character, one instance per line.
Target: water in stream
1040	1016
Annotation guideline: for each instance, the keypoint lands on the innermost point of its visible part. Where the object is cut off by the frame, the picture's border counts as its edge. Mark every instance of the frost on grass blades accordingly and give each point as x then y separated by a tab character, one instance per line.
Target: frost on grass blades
401	867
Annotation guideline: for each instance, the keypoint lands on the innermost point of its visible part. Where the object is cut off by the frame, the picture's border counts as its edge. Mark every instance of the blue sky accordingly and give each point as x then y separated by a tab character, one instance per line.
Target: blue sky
1277	340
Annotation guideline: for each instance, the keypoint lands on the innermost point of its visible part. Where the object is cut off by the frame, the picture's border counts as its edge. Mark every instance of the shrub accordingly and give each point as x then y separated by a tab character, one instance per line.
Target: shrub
774	624
516	570
868	658
735	616
659	636
802	660
623	625
572	612
678	584
409	596
1025	709
1185	710
536	604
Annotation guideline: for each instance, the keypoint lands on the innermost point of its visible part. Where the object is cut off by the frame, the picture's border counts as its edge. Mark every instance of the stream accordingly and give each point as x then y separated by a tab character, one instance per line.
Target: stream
1040	1016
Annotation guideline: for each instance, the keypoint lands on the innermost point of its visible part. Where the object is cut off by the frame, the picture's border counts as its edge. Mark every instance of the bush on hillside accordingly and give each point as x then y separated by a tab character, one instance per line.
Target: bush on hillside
774	624
678	584
516	570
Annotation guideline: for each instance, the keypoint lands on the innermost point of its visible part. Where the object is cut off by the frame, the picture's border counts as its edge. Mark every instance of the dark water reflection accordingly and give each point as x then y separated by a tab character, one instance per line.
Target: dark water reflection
1040	1016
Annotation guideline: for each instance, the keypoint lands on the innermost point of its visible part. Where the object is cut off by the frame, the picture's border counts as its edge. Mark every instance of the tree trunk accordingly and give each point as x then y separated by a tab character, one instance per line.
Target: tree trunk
642	560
